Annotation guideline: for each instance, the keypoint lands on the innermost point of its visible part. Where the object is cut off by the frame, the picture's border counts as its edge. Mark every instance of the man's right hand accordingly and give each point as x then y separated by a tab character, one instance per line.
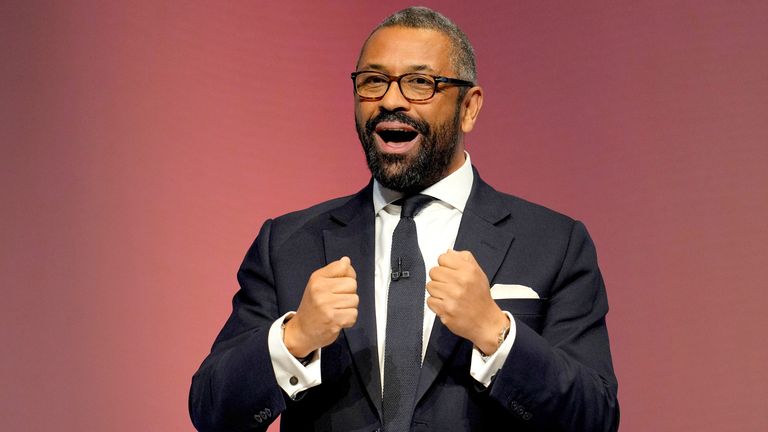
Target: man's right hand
328	305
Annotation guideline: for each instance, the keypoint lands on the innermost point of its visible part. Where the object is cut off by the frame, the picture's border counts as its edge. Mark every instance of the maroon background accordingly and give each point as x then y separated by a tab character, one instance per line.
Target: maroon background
144	143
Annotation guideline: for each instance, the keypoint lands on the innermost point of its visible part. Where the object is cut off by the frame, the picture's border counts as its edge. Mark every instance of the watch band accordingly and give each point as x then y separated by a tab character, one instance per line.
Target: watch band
500	340
503	335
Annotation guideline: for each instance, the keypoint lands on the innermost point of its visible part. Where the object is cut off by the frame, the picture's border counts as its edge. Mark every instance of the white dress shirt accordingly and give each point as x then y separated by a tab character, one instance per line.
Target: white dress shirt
437	225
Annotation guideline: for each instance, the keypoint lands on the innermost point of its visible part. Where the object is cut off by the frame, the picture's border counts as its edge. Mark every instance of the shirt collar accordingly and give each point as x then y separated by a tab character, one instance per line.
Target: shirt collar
453	190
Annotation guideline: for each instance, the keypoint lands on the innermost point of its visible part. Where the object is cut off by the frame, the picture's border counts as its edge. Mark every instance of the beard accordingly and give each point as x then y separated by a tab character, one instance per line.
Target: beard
411	173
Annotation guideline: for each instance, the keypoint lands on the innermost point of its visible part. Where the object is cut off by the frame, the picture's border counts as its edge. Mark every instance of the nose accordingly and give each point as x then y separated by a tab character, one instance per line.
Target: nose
393	99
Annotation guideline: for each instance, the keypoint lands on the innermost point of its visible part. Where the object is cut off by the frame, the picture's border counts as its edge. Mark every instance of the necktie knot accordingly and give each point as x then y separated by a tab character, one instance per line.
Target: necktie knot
412	204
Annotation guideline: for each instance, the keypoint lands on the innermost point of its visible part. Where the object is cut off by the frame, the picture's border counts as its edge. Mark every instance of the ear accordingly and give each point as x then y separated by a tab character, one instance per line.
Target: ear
470	109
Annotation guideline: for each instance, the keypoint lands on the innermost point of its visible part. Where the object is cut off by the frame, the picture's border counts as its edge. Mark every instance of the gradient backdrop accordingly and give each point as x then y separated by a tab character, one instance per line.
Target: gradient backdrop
144	143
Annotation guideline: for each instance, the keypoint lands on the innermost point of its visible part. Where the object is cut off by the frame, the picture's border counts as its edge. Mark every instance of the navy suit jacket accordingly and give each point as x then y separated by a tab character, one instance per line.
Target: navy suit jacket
558	375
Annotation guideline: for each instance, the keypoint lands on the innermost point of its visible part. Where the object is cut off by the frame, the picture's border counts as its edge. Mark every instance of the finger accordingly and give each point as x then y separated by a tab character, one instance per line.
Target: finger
438	289
346	301
458	260
435	305
442	273
346	318
339	268
343	285
448	275
466	255
451	259
350	271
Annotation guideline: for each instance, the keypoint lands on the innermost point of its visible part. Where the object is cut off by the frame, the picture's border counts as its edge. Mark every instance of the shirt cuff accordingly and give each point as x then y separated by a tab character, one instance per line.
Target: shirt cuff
483	368
292	376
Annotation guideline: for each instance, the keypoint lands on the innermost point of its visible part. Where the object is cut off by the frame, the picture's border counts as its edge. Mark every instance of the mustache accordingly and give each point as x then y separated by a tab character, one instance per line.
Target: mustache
420	126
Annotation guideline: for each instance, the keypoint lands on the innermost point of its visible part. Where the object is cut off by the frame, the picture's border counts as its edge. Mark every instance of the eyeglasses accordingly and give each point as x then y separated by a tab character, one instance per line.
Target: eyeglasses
415	87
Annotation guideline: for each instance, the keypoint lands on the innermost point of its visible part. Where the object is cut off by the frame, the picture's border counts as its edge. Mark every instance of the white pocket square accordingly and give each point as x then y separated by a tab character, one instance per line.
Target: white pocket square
504	291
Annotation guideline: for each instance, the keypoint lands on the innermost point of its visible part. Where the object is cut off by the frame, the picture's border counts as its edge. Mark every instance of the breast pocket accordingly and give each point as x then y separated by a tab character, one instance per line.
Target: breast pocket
530	311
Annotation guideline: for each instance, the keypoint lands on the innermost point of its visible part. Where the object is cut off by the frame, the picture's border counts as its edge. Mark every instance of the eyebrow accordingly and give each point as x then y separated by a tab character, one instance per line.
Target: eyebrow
382	68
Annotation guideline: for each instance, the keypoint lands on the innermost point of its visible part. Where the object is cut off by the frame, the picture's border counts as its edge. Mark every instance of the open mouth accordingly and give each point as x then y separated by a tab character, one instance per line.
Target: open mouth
396	136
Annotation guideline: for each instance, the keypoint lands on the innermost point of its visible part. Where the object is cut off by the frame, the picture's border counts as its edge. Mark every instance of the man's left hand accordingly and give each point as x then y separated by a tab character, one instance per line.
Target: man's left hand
460	295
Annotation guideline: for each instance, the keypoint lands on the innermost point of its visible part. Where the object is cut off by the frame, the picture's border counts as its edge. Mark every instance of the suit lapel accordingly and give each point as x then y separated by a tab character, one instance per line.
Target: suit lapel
480	234
354	237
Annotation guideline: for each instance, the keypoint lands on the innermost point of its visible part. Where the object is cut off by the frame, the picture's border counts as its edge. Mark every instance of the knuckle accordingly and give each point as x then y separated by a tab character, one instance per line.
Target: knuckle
434	305
434	273
350	284
430	287
317	285
327	315
352	317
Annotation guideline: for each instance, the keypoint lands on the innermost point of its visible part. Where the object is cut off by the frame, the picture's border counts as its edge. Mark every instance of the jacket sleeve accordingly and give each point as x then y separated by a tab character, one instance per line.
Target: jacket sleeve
235	388
562	378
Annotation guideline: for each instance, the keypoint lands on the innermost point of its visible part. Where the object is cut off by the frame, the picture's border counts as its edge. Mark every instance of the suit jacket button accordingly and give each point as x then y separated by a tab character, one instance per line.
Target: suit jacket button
257	417
293	380
268	412
527	416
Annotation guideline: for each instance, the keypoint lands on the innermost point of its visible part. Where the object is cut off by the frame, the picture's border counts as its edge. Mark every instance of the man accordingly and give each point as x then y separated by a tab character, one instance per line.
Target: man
466	310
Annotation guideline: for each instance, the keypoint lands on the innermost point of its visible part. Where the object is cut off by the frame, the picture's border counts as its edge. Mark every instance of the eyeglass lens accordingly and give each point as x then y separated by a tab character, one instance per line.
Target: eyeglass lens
412	86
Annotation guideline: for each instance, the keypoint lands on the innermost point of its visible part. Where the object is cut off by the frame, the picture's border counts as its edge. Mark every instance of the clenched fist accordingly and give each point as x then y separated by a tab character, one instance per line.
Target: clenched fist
460	296
328	305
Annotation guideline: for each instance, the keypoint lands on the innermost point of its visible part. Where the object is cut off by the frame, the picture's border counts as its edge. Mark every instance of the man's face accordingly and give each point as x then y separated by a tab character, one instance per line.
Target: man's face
410	145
